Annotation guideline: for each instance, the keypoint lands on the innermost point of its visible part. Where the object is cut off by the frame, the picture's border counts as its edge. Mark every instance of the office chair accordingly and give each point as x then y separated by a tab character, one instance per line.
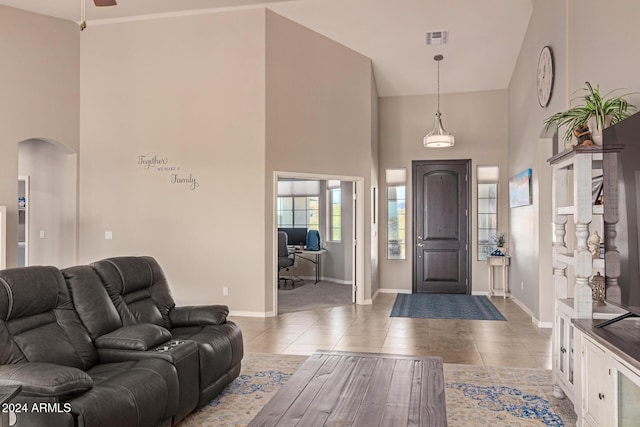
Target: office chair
284	260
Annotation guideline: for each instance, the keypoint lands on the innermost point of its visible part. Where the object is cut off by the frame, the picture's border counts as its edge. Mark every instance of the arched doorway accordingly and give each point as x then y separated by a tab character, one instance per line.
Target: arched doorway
47	218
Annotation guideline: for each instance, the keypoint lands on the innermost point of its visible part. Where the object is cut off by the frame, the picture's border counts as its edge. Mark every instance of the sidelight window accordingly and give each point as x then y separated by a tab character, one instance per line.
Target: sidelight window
487	210
334	214
396	213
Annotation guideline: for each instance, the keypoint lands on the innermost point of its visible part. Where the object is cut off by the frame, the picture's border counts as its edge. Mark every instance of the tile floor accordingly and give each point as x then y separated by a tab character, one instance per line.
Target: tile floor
514	343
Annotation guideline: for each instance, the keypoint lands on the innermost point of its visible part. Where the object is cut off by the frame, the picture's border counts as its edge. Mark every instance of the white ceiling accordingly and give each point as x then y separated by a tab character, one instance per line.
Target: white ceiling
484	36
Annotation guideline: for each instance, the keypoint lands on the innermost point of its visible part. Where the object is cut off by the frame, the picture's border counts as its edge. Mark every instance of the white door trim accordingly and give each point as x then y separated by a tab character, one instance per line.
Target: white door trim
357	267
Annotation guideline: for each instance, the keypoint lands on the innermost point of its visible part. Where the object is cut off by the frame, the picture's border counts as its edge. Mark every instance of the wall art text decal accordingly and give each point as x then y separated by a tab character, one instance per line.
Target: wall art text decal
162	164
193	183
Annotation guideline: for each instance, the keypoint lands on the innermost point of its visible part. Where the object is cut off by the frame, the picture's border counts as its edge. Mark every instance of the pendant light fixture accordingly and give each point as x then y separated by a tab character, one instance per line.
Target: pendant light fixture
83	19
438	137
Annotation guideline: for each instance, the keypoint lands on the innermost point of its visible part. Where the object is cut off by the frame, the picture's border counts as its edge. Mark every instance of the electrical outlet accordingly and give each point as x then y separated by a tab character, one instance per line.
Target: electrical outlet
225	292
108	235
42	234
522	286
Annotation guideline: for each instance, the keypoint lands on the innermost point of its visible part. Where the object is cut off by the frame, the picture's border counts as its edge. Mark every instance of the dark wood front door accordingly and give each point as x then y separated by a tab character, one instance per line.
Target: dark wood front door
441	204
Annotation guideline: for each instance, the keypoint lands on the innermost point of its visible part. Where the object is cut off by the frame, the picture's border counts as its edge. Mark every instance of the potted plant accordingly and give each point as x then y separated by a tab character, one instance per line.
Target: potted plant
500	240
598	112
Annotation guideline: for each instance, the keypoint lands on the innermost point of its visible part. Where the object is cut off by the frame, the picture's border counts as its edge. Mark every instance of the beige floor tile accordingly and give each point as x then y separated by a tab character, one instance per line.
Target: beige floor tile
303	349
361	341
355	349
495	336
501	347
404	342
538	348
366	331
412	351
269	337
544	362
330	329
465	358
265	347
510	360
453	346
452	335
313	338
283	328
516	342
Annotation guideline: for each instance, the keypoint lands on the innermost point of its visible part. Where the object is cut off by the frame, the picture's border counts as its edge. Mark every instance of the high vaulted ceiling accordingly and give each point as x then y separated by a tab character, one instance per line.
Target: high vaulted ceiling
484	36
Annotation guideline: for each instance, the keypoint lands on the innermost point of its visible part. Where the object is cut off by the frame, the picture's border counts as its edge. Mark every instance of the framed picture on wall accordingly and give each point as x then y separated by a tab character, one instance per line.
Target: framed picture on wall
596	189
520	189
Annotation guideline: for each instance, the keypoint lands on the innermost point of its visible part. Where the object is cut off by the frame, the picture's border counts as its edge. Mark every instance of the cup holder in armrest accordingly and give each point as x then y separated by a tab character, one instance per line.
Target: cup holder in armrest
169	346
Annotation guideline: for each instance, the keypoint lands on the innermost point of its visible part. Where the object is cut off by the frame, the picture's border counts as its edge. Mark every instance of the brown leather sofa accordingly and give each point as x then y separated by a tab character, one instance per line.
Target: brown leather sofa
106	345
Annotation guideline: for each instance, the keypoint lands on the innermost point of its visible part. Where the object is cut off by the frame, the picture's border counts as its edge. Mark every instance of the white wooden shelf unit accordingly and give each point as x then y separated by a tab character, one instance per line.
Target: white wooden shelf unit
572	198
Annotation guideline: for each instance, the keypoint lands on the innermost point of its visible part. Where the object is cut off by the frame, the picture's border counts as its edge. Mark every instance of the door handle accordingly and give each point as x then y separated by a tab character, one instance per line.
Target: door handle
420	245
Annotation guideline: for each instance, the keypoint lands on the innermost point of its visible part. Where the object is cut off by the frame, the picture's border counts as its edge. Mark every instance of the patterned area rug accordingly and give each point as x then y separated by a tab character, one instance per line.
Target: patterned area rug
445	306
476	395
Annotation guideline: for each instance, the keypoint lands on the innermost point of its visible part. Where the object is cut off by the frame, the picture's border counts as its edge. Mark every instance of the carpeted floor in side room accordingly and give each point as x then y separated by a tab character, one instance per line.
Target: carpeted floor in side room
309	296
475	395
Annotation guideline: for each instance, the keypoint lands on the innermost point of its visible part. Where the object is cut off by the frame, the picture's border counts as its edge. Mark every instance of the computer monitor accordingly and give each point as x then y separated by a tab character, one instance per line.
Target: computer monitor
295	236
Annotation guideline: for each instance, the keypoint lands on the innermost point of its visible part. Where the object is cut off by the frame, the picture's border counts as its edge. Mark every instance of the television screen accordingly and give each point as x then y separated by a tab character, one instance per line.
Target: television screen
622	254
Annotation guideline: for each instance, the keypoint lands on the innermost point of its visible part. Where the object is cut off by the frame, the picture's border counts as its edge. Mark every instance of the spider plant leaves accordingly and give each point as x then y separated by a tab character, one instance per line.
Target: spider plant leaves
606	110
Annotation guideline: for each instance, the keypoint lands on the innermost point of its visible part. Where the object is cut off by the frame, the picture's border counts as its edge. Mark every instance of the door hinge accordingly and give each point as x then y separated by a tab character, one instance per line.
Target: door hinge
466	177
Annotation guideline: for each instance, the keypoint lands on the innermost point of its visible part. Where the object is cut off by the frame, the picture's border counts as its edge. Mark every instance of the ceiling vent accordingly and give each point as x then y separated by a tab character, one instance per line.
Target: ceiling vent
437	37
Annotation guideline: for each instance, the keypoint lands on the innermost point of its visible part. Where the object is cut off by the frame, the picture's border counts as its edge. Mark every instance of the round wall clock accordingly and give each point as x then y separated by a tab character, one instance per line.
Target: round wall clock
545	76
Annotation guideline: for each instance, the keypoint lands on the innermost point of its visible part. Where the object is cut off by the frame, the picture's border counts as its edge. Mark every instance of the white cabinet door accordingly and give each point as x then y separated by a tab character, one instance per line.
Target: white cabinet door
627	389
598	395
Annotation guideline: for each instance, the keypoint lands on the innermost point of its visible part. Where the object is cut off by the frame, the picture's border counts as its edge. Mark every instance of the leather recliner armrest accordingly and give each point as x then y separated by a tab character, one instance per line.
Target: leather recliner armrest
46	379
198	315
141	337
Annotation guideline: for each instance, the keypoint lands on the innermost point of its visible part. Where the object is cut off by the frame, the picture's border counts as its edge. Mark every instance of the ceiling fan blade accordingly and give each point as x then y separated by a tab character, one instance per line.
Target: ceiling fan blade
105	2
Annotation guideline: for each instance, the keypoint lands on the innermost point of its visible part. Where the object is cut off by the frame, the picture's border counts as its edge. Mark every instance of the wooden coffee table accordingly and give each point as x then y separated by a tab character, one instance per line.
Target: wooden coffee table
360	389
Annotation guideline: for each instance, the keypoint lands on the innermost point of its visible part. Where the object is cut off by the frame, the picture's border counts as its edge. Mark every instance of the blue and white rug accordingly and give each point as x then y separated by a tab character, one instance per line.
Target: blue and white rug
445	306
475	395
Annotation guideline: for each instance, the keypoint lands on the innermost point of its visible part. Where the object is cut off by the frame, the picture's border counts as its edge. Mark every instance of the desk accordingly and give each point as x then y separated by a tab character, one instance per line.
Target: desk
502	262
316	260
6	394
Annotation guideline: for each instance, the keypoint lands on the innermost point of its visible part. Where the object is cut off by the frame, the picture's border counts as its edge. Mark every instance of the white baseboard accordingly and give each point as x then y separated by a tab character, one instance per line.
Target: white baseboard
534	320
326	279
394	291
252	313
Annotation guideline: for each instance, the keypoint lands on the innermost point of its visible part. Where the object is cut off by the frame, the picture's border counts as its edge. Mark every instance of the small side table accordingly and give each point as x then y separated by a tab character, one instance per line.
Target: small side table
6	394
502	262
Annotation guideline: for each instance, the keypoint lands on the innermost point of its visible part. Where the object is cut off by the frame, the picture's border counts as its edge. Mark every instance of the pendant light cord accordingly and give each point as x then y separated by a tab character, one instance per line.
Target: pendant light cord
83	22
438	58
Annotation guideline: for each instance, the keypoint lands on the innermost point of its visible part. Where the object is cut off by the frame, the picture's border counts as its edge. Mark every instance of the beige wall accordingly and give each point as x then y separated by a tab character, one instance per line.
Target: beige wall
611	60
478	121
318	117
531	228
52	171
40	96
580	54
190	90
